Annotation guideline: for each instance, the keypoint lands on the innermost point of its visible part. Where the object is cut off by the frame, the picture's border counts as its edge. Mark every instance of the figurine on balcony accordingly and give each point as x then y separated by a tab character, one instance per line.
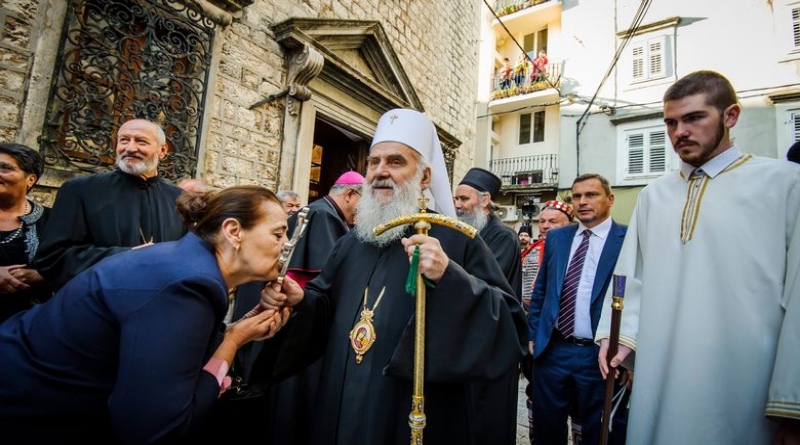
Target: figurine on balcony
505	74
539	71
521	70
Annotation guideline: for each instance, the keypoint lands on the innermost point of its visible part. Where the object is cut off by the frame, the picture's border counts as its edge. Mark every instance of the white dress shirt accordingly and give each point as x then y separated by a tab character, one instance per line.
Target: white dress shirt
583	298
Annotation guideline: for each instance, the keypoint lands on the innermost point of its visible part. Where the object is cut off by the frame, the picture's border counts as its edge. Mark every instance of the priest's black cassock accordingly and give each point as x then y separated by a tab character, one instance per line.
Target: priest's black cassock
291	401
475	332
326	225
504	244
98	215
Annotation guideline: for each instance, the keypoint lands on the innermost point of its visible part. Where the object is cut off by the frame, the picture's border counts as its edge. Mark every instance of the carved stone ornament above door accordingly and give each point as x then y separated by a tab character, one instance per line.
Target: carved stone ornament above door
359	62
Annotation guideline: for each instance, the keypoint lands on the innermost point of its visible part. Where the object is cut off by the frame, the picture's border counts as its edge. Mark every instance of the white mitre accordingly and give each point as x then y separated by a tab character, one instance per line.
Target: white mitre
414	129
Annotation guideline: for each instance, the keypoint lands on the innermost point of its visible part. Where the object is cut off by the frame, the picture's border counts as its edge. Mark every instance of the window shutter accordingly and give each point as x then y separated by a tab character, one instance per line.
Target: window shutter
635	153
538	126
638	62
524	128
796	127
658	152
796	27
656	57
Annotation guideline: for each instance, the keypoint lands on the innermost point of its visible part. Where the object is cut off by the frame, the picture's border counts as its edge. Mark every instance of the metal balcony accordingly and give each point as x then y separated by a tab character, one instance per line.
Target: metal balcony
505	7
529	82
527	173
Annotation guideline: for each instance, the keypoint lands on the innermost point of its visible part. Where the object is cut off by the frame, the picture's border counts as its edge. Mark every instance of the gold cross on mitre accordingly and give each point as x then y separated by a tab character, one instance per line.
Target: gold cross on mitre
392	118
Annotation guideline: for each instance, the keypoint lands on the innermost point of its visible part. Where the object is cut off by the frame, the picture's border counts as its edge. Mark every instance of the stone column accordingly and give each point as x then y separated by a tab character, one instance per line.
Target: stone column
305	63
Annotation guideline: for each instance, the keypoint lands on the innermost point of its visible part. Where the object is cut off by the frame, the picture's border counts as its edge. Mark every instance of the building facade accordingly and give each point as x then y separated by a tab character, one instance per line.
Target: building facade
285	94
613	60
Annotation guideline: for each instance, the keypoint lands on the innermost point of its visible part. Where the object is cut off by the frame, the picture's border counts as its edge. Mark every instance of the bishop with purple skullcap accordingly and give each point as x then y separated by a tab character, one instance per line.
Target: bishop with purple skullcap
350	178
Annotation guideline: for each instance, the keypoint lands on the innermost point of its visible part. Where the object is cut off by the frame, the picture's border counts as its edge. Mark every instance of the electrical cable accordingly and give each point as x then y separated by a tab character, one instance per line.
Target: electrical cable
546	78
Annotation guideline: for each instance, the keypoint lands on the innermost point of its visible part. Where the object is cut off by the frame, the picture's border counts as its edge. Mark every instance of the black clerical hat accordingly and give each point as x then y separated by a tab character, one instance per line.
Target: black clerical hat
525	229
482	180
794	152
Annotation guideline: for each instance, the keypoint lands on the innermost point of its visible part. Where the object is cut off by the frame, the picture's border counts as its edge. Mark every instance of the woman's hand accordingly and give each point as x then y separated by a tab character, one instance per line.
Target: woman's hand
257	327
9	283
26	274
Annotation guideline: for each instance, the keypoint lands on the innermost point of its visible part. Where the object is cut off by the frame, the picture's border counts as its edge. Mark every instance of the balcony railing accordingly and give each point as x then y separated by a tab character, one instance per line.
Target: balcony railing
536	171
528	82
505	7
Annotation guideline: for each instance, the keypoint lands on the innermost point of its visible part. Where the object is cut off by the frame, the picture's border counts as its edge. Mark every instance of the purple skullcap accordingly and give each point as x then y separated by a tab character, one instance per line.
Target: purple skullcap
350	178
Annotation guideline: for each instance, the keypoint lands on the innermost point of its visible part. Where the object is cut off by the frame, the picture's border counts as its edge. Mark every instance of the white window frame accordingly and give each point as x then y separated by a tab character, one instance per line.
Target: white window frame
533	134
789	28
648	59
534	52
648	133
788	129
794	15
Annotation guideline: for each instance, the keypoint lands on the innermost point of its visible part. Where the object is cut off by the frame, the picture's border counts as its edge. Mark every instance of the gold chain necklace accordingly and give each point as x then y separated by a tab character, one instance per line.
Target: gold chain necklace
362	336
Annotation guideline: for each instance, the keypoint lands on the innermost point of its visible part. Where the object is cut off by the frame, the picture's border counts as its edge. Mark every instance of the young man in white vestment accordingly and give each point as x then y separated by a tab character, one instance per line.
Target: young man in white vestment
714	329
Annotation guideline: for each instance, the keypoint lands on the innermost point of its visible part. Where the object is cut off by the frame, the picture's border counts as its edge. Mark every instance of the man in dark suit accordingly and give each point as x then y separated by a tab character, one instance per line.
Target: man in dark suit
565	308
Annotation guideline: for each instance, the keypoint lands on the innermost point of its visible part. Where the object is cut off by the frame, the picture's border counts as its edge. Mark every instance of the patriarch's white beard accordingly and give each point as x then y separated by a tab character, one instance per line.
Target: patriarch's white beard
372	213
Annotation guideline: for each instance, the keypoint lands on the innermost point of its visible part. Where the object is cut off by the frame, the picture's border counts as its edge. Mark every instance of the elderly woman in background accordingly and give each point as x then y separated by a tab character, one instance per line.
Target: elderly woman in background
21	222
135	349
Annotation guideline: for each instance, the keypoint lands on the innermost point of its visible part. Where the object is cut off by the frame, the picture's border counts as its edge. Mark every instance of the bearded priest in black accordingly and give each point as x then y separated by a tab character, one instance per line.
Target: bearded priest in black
358	315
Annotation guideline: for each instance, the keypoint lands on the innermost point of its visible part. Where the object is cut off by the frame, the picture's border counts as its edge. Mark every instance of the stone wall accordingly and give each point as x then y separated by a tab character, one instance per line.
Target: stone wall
17	29
436	43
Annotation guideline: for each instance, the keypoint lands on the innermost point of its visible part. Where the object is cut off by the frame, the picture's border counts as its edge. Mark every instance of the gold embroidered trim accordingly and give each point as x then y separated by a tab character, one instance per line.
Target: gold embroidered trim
694	197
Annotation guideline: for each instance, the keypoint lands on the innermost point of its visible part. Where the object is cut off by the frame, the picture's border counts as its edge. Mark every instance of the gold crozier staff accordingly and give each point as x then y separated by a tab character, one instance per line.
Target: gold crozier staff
422	223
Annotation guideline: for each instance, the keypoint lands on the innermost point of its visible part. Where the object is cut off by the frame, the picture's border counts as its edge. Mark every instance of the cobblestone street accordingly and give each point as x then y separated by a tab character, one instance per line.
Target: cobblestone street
522	415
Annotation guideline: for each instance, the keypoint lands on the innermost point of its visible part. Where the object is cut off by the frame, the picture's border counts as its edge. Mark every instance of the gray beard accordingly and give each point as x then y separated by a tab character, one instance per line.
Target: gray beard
475	217
139	169
372	213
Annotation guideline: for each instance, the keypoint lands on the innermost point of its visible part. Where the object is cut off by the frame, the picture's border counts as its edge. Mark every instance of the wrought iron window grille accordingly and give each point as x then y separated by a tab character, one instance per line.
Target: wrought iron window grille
125	59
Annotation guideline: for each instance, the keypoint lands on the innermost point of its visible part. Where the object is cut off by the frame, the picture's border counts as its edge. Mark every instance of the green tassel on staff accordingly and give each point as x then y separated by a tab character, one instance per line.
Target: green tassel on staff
413	270
411	280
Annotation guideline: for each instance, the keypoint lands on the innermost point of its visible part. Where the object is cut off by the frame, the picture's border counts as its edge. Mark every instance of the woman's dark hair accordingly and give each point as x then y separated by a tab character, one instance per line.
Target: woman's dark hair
29	160
204	212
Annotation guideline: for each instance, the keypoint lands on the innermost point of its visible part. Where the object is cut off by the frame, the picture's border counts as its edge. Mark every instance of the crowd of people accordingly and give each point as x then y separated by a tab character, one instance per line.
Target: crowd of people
524	71
156	313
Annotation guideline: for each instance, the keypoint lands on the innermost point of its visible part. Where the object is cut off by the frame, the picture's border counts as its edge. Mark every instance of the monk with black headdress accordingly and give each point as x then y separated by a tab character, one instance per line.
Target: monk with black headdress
474	206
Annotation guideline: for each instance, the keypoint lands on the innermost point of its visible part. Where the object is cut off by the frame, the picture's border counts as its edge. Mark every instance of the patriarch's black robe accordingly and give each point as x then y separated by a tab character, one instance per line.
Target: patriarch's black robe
98	215
475	333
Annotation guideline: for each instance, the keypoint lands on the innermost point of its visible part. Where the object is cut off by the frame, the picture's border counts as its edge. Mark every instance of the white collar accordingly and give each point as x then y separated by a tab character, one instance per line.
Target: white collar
715	165
601	230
